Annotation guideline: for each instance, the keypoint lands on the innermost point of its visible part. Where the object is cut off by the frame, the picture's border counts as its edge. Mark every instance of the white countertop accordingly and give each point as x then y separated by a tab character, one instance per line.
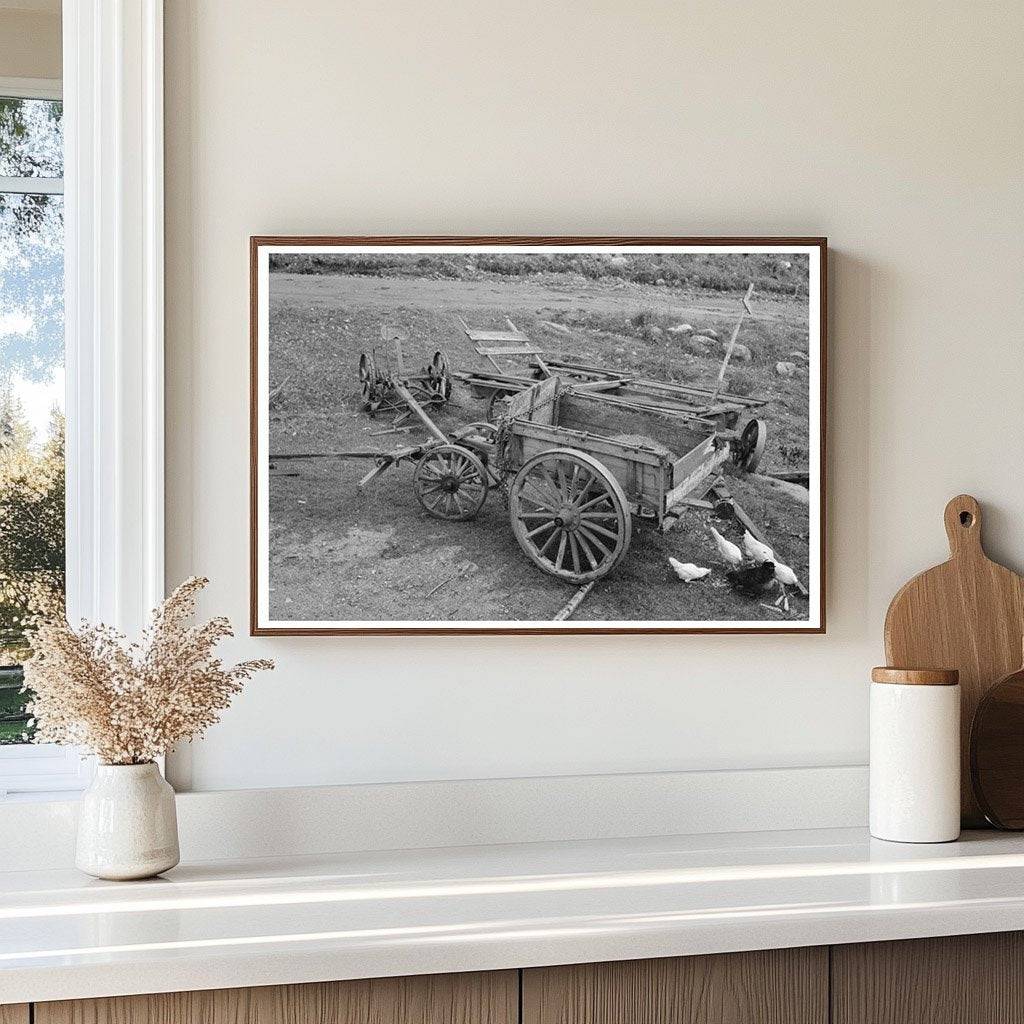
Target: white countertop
262	922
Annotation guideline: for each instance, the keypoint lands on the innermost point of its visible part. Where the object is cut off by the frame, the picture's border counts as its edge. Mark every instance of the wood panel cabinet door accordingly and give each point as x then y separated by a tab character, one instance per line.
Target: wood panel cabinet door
482	998
777	986
962	979
14	1013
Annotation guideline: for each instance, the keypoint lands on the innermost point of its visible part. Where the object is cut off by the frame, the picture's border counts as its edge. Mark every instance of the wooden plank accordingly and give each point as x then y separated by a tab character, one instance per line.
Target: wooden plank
479	998
780	986
643	483
732	340
688	418
497	336
600	385
373	474
692	480
683	467
608	416
960	979
536	403
594	444
486	377
664	387
418	412
509	350
574	602
14	1013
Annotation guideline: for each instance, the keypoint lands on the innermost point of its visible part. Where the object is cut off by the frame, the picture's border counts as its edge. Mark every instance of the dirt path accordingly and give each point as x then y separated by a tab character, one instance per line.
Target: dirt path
382	293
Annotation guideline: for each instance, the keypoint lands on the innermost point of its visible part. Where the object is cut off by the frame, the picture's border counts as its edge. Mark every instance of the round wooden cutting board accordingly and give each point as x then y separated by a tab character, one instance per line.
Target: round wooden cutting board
997	752
967	614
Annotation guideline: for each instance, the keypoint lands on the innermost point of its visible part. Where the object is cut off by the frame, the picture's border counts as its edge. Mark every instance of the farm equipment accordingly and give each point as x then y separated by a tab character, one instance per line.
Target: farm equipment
695	407
703	408
386	385
580	452
580	471
576	471
500	343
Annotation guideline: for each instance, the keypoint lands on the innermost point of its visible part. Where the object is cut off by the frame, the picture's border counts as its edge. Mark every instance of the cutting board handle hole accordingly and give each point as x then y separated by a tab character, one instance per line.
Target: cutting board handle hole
963	525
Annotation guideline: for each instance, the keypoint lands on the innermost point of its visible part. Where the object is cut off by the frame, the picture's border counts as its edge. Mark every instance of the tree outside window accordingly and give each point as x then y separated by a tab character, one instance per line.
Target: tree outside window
31	387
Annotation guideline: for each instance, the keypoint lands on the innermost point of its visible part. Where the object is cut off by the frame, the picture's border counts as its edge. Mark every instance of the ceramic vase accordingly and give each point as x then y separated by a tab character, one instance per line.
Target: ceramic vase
127	825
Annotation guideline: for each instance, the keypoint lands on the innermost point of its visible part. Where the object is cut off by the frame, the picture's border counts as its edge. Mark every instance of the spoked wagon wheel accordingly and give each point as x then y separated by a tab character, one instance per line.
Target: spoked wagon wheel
368	379
450	482
496	406
480	431
750	447
569	515
437	374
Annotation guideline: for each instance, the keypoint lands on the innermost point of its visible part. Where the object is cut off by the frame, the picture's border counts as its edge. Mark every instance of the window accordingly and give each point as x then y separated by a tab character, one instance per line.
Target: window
32	514
108	206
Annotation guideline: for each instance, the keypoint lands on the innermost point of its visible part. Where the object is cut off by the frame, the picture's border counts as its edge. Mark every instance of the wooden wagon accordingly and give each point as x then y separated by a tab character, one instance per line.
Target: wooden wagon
577	472
733	417
580	472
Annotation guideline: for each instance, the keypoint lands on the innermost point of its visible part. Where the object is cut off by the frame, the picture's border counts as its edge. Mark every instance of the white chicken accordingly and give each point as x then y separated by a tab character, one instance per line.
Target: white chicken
730	552
687	571
757	551
785	577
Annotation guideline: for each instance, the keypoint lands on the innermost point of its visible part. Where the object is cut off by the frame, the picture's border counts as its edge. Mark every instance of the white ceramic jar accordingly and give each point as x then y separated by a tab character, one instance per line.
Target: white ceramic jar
127	824
915	755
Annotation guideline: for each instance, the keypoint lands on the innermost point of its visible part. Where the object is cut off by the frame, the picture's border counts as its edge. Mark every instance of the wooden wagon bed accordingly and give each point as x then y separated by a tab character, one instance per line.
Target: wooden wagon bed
656	461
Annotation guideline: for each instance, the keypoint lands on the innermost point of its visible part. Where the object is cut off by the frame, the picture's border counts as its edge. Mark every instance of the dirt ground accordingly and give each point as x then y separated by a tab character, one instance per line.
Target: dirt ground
339	553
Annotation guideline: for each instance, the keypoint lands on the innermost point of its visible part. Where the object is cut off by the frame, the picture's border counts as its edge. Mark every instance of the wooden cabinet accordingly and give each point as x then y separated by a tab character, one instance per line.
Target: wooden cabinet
490	998
777	986
971	979
963	979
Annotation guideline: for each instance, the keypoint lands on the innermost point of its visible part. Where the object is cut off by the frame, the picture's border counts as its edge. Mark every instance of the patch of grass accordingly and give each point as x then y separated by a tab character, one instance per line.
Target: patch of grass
741	382
718	272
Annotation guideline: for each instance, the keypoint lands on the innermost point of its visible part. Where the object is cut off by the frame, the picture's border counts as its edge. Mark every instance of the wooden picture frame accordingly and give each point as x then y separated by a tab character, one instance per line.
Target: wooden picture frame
330	295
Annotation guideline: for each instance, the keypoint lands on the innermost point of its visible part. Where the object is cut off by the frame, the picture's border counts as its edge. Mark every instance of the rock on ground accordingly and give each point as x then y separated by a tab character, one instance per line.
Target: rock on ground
785	369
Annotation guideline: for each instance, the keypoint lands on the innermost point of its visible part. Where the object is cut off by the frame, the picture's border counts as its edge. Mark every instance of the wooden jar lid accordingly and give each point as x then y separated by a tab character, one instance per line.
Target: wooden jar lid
916	676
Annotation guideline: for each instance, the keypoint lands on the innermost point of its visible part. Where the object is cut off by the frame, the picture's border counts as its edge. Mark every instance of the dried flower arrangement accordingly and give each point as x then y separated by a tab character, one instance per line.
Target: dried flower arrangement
129	703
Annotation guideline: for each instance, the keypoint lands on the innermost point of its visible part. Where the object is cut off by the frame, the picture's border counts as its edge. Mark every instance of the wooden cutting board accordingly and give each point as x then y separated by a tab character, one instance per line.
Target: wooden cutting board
967	614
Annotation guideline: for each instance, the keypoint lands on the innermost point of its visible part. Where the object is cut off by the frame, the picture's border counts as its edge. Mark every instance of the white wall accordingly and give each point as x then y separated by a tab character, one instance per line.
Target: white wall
895	129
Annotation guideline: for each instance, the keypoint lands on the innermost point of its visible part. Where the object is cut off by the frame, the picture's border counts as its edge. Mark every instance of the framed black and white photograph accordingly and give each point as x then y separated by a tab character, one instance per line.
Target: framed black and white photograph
479	435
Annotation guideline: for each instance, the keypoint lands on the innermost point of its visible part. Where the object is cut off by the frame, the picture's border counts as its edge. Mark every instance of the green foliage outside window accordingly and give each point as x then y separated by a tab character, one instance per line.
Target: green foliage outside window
31	357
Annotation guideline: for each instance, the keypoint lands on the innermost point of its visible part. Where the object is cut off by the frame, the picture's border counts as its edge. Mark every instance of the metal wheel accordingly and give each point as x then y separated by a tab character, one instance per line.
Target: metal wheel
437	373
750	448
450	482
485	433
569	515
496	406
368	379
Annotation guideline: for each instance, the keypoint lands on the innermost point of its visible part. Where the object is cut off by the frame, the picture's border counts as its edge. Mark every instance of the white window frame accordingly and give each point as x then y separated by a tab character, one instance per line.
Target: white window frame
114	326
